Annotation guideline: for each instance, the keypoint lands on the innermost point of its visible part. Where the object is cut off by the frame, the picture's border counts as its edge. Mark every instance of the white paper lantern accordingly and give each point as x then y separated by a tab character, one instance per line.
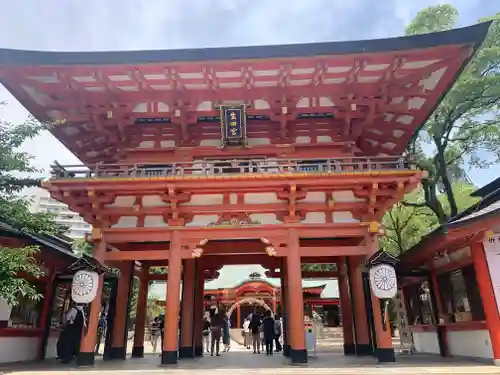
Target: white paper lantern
383	281
84	286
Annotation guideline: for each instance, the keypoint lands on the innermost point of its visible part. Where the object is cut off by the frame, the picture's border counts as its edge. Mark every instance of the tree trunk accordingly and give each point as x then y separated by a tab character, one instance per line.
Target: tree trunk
432	201
441	171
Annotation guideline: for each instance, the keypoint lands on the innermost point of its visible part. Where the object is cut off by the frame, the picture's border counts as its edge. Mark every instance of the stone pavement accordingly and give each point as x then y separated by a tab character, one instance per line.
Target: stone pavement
240	361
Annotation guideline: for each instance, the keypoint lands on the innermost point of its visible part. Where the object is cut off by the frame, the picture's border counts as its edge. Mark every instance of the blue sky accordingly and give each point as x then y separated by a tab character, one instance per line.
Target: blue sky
72	25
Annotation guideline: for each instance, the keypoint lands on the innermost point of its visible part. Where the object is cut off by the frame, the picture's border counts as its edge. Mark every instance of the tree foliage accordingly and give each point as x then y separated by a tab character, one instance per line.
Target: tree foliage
15	262
82	246
406	225
16	173
465	128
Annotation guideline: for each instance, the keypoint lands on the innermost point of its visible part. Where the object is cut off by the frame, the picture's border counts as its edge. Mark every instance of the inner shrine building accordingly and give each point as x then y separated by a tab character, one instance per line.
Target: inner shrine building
272	155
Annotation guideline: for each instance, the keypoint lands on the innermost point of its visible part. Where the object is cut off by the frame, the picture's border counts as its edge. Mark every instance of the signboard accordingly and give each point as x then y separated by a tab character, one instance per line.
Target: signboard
232	119
405	335
492	251
233	125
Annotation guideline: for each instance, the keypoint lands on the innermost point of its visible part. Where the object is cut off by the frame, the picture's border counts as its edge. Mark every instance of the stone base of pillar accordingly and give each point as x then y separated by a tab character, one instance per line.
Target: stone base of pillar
186	352
349	349
385	355
84	359
138	352
286	350
169	357
496	362
117	353
364	349
298	356
198	351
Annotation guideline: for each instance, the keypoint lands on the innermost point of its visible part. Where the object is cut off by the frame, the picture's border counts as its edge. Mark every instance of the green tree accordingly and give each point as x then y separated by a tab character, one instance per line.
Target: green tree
13	262
465	128
15	174
406	225
82	246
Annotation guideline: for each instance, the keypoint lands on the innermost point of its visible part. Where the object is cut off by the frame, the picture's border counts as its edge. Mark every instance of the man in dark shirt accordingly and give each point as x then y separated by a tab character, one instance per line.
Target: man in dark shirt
255	330
268	330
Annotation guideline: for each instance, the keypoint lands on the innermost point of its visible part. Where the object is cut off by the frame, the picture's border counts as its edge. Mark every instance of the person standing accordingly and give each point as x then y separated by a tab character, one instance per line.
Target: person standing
255	331
101	329
246	333
155	333
206	334
161	326
72	332
278	330
215	331
226	336
269	332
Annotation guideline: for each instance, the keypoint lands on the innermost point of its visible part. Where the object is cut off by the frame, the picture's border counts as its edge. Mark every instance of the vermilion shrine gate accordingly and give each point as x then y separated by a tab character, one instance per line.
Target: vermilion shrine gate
271	155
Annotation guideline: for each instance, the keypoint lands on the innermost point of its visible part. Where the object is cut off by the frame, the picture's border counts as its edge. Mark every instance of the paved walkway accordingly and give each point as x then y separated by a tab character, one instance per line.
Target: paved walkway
240	361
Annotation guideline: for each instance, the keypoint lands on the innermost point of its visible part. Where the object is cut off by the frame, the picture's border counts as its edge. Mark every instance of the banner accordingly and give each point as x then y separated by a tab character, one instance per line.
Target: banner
492	251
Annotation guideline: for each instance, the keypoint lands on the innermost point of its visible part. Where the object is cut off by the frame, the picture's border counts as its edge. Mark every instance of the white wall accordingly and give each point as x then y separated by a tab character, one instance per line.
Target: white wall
19	349
426	342
475	343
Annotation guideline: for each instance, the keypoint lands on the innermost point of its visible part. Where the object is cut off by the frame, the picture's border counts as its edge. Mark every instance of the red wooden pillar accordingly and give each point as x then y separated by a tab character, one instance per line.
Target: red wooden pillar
186	349
118	341
345	309
298	353
488	298
284	308
441	329
199	311
363	346
170	339
238	316
141	313
89	336
45	314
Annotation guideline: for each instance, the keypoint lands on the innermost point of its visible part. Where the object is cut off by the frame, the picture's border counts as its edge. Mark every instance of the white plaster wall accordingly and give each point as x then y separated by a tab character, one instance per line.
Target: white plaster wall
51	351
426	342
20	349
475	343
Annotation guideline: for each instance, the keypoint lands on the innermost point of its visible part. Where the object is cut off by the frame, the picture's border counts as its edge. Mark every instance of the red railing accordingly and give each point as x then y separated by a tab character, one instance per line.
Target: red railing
231	167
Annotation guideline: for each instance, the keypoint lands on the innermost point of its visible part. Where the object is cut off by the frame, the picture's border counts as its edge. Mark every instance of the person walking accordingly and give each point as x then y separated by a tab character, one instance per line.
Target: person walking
255	331
155	333
269	332
246	333
215	331
278	330
226	336
206	334
101	329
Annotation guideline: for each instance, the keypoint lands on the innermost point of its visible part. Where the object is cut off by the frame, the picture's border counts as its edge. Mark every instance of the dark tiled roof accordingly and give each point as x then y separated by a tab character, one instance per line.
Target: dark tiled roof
60	245
467	35
487	189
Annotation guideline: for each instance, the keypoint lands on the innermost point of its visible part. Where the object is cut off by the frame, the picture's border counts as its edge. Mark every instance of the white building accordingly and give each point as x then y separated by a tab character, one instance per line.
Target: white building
42	202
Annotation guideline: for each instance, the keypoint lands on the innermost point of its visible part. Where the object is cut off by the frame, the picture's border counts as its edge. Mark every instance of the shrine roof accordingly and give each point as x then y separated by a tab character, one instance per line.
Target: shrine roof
380	91
479	217
58	246
230	277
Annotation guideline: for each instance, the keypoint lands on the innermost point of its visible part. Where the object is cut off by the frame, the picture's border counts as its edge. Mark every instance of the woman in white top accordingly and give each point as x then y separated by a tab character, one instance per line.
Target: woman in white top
246	333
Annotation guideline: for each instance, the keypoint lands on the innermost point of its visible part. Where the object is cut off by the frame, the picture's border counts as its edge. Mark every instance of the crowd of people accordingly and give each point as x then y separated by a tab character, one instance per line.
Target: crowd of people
259	331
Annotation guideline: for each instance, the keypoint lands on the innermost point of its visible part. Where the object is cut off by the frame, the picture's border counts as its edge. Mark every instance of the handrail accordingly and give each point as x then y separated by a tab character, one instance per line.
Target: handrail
231	166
